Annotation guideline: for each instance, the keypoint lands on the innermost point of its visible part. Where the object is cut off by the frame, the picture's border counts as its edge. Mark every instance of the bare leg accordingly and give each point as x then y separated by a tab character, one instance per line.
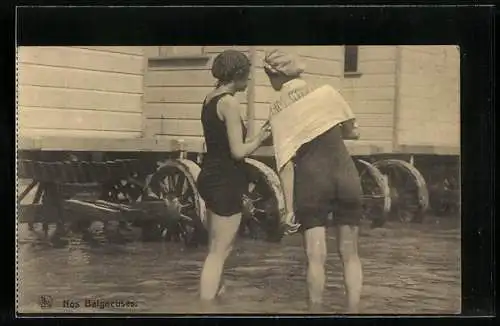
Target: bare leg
287	182
222	232
347	244
315	247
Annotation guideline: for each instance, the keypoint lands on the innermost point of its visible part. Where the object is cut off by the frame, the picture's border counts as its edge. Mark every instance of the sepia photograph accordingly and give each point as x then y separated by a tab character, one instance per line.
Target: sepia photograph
236	179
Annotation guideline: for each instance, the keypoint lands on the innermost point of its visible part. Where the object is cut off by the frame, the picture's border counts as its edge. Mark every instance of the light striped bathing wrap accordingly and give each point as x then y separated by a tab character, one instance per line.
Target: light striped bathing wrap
304	118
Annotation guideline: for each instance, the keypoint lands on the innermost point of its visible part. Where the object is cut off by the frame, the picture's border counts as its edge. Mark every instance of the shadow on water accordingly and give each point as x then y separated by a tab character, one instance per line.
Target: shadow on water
409	269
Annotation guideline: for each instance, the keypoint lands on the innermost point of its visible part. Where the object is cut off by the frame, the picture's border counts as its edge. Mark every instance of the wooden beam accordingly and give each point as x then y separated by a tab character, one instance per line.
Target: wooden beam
251	93
429	150
397	99
157	144
145	69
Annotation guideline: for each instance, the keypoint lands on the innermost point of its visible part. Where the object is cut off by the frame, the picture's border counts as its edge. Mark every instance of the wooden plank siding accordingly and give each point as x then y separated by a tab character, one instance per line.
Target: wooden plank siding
175	90
406	98
371	94
174	93
89	92
429	109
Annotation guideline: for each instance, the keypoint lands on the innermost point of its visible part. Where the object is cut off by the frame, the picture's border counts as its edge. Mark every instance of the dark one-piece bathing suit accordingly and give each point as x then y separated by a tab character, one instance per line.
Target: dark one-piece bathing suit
326	181
222	180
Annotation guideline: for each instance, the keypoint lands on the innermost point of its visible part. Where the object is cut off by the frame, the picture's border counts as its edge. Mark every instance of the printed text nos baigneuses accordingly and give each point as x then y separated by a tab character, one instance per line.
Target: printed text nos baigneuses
101	304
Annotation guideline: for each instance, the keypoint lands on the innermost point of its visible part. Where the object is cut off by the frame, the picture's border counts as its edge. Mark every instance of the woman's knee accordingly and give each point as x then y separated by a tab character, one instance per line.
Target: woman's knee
316	245
347	251
316	255
347	245
223	231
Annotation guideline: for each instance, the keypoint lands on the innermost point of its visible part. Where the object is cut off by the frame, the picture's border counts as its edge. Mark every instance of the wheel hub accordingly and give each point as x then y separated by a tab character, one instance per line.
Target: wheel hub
174	207
249	208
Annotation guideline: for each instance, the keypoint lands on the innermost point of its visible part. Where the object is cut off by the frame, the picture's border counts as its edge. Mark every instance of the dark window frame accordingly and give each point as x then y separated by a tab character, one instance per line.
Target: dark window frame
168	58
351	60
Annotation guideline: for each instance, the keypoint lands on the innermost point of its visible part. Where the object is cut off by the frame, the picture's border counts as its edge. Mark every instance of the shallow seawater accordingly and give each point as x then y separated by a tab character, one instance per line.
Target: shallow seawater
408	269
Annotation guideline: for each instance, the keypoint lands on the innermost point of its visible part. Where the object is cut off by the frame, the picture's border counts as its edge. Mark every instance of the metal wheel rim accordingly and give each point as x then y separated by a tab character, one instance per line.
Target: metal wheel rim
379	192
402	176
263	202
175	182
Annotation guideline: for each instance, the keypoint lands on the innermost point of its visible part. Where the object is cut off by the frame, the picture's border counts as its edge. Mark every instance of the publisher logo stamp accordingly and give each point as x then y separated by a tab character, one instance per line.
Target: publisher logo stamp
45	301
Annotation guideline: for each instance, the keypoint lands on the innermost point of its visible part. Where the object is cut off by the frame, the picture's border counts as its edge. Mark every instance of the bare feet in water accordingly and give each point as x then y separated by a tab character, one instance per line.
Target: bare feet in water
320	308
352	311
211	306
317	308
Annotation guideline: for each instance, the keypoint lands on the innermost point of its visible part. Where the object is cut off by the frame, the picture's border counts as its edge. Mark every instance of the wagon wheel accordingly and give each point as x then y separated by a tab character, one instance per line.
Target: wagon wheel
185	217
444	196
35	223
409	194
123	191
376	194
263	203
44	210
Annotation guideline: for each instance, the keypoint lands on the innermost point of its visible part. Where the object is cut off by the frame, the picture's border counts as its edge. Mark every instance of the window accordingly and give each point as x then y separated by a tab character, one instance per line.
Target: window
351	59
166	51
177	56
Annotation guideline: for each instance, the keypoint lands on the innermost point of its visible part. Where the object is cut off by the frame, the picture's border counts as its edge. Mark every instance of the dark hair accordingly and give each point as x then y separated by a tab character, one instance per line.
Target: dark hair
229	66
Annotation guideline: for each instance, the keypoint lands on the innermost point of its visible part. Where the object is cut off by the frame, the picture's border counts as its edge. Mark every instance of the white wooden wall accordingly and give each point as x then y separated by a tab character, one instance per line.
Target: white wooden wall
174	92
429	108
85	92
106	92
371	94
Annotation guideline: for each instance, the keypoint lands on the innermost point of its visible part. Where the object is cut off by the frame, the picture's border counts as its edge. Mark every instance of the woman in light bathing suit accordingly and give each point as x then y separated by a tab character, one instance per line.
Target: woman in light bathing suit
321	178
222	181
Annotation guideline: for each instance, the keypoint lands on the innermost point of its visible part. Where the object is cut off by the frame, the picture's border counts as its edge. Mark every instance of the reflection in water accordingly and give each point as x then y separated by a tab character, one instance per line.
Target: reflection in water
408	269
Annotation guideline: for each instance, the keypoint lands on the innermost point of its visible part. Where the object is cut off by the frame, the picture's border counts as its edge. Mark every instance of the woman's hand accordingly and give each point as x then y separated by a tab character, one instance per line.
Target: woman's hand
266	125
265	131
229	110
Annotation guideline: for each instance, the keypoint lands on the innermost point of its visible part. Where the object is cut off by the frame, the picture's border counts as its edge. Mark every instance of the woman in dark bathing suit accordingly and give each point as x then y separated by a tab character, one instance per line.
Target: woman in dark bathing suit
222	181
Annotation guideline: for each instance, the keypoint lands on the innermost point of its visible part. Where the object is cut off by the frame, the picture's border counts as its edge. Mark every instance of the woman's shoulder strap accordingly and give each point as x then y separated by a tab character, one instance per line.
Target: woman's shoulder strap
215	96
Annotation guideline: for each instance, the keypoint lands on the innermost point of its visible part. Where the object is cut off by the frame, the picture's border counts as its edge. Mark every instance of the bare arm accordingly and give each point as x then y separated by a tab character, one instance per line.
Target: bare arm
286	177
229	112
269	140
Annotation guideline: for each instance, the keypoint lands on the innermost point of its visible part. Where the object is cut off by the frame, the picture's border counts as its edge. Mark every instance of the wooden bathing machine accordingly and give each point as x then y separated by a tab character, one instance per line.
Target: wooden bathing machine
406	100
109	104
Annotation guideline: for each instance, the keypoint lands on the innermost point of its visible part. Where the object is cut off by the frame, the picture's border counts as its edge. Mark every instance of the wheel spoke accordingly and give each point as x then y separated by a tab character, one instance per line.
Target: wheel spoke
165	185
185	204
171	182
374	196
188	195
185	218
183	186
174	181
163	188
179	181
251	187
253	199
